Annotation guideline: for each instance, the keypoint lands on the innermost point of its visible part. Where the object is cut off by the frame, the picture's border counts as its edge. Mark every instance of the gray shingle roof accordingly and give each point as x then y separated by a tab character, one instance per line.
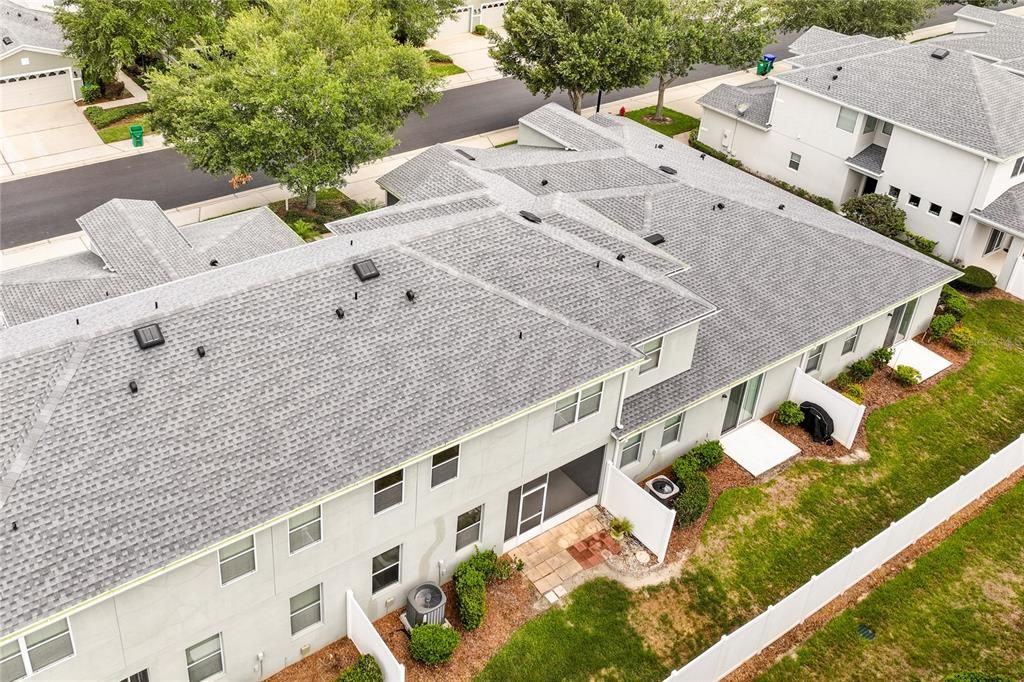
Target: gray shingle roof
961	98
139	248
1007	209
1003	41
279	411
816	39
870	158
846	52
28	27
562	126
756	97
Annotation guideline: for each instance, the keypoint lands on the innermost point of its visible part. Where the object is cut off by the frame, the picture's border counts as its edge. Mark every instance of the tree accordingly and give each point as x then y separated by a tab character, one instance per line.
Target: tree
417	21
304	90
727	32
580	46
877	212
879	18
104	35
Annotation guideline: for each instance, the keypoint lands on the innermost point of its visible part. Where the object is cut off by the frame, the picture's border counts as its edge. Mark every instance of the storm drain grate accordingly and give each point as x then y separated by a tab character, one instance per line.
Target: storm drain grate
865	632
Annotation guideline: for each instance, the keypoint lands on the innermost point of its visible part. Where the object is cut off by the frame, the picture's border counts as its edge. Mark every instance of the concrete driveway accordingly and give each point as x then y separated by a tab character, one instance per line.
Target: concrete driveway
45	135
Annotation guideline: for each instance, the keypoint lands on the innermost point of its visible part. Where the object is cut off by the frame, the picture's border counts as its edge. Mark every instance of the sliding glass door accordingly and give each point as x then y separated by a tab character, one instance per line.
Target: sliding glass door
899	323
742	403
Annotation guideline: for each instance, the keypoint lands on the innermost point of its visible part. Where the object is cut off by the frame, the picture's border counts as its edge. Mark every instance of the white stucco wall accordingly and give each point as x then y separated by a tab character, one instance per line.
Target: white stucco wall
676	357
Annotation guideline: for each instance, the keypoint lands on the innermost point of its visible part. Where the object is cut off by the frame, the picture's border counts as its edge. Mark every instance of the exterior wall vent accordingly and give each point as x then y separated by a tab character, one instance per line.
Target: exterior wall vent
149	336
667	169
656	239
526	215
366	270
940	53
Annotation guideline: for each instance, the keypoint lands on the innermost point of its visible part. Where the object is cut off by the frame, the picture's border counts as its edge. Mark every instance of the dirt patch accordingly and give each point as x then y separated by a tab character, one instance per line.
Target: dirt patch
992	294
659	120
322	666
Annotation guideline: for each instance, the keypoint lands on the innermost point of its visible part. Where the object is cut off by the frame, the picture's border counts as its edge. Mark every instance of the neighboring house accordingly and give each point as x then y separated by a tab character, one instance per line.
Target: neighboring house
470	15
33	67
939	126
459	369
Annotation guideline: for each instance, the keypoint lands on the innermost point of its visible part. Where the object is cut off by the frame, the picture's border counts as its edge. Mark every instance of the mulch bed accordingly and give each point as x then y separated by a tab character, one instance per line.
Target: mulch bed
322	666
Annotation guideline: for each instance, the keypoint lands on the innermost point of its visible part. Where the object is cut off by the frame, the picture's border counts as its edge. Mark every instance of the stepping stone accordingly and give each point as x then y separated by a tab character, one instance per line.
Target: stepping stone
643	558
560	591
551	596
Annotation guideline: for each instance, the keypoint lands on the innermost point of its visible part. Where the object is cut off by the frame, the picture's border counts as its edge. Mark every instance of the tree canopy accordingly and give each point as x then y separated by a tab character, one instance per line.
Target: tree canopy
416	21
877	212
303	90
579	46
104	35
878	18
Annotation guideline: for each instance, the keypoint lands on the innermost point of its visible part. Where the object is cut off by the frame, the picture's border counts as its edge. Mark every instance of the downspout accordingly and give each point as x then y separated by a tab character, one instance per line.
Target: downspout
967	218
622	399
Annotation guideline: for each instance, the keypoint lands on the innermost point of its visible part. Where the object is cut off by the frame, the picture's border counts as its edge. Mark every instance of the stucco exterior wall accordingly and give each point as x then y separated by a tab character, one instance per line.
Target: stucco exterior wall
676	357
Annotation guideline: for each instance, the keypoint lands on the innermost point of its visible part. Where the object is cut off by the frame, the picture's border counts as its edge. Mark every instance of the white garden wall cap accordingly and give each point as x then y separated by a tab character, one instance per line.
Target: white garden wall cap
28	28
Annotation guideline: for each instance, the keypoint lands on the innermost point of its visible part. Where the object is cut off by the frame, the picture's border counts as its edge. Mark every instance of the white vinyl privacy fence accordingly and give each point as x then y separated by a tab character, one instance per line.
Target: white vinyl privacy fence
846	414
736	648
652	521
368	640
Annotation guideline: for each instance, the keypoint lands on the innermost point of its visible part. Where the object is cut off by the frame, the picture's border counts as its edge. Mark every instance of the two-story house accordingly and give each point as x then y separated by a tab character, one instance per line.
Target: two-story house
195	472
938	126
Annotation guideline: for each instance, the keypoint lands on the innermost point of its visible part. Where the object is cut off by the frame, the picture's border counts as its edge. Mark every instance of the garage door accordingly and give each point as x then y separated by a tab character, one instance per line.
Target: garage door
456	24
39	88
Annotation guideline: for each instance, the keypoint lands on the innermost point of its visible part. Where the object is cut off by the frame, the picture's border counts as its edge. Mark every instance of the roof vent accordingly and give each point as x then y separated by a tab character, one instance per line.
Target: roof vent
702	155
835	76
149	336
526	215
366	270
782	207
659	146
543	183
133	387
655	239
839	68
940	53
410	295
721	206
742	107
466	154
667	169
201	351
214	263
340	312
7	40
621	257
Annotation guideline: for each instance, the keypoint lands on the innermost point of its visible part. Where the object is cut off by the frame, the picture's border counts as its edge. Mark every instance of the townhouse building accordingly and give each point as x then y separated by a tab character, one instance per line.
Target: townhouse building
196	471
938	126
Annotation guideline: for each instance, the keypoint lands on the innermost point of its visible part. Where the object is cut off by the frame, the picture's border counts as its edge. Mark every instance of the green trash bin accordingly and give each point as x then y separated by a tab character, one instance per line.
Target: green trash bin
763	67
136	133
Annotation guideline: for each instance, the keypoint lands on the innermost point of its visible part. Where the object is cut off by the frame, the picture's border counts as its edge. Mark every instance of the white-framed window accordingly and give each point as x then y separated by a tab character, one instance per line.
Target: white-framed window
388	491
444	466
25	62
847	119
894	192
37	650
468	526
305	609
141	676
571	409
237	559
887	128
850	342
914	200
652	349
204	660
934	208
631	450
956	218
1018	167
794	161
869	124
305	529
386	569
995	241
670	429
813	363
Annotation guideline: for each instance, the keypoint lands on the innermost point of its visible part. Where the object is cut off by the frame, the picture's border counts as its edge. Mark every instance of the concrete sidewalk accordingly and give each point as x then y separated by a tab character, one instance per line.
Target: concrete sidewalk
470	52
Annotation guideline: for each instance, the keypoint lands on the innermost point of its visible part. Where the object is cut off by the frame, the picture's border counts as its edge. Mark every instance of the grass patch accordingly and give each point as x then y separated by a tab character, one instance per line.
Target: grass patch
590	637
680	123
441	64
958	608
119	131
331	205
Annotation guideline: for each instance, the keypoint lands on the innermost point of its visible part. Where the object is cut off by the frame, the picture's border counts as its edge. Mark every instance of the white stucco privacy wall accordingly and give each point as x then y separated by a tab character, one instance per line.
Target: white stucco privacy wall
652	521
368	640
846	414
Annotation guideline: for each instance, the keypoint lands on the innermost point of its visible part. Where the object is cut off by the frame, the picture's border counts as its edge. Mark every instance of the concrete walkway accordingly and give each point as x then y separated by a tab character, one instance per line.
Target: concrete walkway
470	52
137	95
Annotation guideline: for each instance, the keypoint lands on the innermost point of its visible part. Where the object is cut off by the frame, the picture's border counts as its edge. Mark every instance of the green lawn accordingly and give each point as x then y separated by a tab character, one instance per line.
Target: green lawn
119	131
763	542
443	69
680	122
958	609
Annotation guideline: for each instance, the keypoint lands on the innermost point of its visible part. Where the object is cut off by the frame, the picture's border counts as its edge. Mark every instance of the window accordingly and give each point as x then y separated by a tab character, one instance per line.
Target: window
36	650
305	609
670	429
237	559
794	161
652	349
444	467
813	363
204	660
847	119
914	200
894	192
388	491
1018	167
386	569
141	676
887	128
934	208
581	404
995	240
467	527
304	530
869	124
850	342
631	450
956	218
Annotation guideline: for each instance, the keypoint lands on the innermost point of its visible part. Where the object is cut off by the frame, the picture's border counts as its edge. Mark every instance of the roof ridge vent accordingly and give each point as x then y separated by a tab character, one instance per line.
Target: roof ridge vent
655	239
940	53
532	217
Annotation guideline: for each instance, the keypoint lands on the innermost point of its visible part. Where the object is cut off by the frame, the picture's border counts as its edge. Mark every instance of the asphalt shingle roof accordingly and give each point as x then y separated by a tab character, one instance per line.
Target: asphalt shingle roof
757	97
1007	209
816	39
1003	41
28	28
870	158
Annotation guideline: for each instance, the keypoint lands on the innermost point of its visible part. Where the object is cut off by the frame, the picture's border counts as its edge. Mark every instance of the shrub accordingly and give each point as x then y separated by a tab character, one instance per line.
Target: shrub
922	244
304	229
366	669
620	527
710	151
843	380
855	392
941	325
471	593
684	466
880	357
803	194
483	562
103	118
433	644
693	498
906	375
960	338
790	414
436	56
953	302
861	370
480	30
706	455
91	92
975	279
877	212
